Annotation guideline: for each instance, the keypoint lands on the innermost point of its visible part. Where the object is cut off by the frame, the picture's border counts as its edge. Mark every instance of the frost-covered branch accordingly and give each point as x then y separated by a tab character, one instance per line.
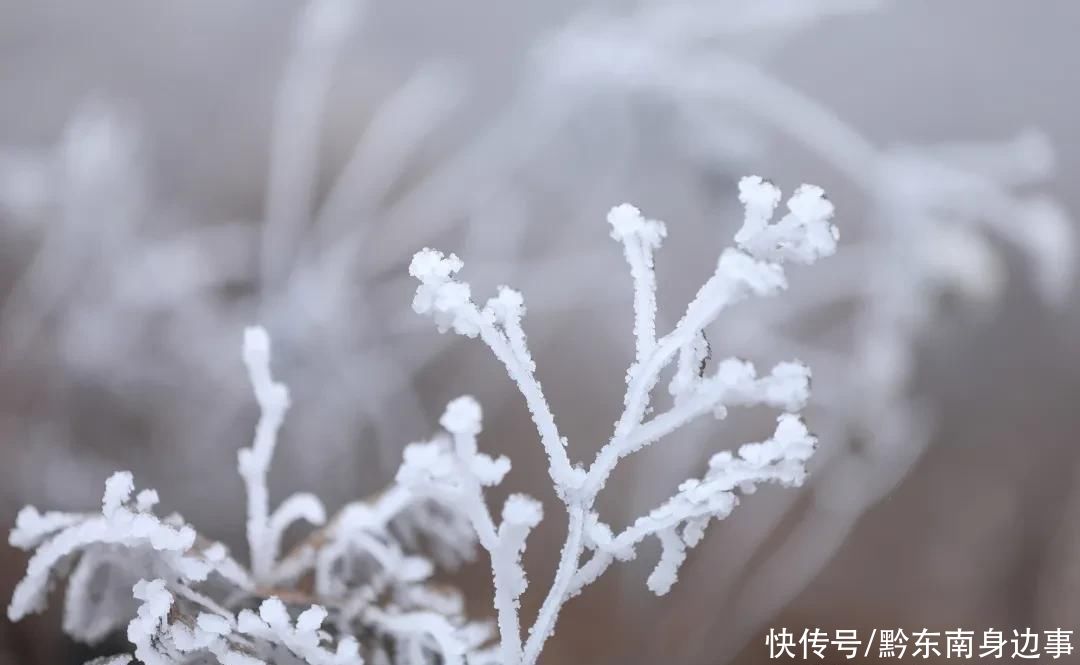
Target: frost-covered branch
124	521
640	237
680	521
803	235
498	324
248	638
456	471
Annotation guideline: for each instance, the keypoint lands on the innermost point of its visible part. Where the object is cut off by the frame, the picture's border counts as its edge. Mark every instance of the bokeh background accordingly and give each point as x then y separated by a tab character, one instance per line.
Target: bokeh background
171	172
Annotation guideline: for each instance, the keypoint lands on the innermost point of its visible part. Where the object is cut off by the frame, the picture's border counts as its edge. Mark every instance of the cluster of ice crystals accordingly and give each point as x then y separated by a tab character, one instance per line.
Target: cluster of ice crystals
448	301
124	522
803	235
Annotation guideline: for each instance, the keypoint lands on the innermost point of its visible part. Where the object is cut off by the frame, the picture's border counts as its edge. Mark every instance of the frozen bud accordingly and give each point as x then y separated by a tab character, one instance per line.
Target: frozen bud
256	345
311	619
146	500
814	213
274	613
759	198
810	205
508	305
462	416
788	386
118	489
432	266
627	222
522	510
793	436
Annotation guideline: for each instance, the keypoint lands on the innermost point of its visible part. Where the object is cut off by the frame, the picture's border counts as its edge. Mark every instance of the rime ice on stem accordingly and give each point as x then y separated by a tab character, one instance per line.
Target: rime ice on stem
263	531
454	470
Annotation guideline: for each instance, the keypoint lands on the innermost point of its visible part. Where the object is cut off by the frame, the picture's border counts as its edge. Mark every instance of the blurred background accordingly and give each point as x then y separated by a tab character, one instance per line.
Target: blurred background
172	172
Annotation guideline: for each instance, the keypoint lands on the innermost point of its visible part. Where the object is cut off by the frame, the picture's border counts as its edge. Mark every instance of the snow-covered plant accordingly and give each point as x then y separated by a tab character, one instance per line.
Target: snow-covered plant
183	597
454	470
358	587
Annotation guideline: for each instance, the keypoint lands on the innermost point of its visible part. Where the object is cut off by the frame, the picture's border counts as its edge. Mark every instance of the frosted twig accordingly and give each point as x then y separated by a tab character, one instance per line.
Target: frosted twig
802	235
